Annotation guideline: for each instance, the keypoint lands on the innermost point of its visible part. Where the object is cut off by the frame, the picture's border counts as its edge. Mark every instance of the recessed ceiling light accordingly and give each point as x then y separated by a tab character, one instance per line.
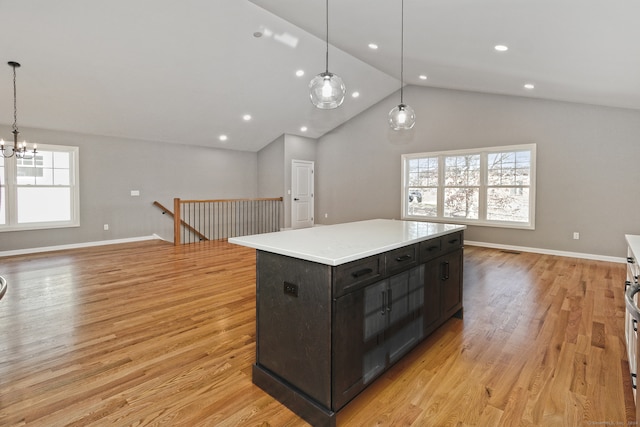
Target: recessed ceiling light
246	117
422	77
373	46
303	129
501	48
257	34
300	73
355	94
529	86
223	138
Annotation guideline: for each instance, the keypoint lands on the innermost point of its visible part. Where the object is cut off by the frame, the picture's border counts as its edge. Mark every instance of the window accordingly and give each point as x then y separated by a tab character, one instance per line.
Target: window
41	192
488	186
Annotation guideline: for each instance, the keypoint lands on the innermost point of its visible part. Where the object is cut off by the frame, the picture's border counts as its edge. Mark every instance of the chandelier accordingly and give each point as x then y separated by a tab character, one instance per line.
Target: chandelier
17	149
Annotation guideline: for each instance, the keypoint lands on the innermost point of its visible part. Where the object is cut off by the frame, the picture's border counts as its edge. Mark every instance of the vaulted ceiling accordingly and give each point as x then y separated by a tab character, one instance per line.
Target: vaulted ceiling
189	71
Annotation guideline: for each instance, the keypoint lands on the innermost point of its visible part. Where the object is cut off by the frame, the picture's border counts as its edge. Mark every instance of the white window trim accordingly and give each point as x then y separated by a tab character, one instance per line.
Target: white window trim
484	152
11	191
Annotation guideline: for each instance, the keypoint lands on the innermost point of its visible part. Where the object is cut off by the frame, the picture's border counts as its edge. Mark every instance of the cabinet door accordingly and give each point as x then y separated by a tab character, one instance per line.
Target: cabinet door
432	285
406	299
375	322
348	348
358	350
451	277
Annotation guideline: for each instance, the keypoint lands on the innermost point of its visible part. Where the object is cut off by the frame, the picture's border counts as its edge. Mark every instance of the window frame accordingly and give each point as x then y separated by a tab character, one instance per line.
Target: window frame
483	186
11	186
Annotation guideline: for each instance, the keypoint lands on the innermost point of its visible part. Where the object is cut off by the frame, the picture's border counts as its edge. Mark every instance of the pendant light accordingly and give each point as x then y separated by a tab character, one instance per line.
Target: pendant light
402	117
18	149
327	89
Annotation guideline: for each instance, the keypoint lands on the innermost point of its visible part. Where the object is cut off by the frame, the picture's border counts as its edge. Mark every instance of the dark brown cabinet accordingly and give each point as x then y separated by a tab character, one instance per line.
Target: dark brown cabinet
443	289
324	333
374	327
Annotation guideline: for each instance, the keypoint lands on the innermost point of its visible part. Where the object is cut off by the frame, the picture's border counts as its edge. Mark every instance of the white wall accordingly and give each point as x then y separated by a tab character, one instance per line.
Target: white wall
588	176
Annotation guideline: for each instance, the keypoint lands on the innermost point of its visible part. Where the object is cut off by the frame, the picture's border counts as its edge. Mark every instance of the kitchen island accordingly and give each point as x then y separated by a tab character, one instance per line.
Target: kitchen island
337	305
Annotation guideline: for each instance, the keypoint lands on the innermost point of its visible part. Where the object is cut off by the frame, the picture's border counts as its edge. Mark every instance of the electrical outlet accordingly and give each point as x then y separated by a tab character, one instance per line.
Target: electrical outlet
291	289
106	227
135	193
576	235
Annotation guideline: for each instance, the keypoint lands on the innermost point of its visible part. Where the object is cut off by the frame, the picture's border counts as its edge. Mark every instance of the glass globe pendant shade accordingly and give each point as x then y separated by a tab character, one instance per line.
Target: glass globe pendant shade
327	91
402	117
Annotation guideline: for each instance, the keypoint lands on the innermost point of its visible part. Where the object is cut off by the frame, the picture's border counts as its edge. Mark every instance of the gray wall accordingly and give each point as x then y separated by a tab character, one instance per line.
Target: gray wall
111	167
271	182
274	168
587	164
587	174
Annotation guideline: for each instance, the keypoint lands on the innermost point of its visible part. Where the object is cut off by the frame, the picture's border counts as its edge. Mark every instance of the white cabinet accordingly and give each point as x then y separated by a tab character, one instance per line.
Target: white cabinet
631	321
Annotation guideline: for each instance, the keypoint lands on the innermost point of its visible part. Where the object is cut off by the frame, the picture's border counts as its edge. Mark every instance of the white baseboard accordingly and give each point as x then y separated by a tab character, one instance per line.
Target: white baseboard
547	252
466	242
78	245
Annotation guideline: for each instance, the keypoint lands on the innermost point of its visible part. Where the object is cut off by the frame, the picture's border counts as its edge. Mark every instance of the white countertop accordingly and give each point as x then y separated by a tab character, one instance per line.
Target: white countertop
341	243
634	244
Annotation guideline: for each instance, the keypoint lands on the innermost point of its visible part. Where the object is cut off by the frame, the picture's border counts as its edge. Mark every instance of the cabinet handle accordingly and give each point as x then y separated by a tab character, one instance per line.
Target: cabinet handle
452	241
433	248
362	272
403	258
630	260
633	381
444	274
389	299
384	303
635	325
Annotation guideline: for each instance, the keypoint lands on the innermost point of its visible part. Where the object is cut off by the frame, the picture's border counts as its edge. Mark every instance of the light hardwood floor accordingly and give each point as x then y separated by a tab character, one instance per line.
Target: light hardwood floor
151	334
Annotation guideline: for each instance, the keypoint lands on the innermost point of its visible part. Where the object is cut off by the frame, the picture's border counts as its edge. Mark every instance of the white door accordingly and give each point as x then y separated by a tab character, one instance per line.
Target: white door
301	194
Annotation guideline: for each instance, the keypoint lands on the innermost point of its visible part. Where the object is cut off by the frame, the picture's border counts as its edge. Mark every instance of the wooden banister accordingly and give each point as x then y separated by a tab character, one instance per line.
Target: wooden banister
275	199
223	218
177	221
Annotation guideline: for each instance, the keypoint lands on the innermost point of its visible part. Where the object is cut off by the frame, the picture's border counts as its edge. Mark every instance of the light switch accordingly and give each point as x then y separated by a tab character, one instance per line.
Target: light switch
135	192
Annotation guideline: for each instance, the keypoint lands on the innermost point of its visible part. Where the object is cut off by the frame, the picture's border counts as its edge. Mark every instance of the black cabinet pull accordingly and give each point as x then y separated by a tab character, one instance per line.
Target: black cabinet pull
362	272
444	267
403	258
633	381
452	241
635	325
433	248
389	298
384	303
630	260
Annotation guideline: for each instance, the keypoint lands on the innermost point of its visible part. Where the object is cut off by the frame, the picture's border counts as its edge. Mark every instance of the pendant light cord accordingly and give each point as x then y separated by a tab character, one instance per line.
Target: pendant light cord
327	32
15	104
402	51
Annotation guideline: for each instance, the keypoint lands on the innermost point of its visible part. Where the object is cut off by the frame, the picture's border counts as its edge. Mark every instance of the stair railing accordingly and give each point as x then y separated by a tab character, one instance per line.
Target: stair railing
199	220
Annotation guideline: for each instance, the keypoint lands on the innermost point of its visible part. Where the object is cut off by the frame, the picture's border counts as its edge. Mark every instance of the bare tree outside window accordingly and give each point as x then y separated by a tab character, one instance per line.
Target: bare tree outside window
508	186
490	186
462	186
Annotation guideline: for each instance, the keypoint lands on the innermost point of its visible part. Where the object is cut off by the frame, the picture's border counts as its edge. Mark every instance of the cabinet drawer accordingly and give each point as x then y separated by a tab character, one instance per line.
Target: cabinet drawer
430	249
401	259
451	242
352	275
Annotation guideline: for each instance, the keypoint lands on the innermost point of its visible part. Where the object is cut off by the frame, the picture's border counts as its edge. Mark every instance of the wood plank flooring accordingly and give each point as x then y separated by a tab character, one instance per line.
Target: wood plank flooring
148	334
